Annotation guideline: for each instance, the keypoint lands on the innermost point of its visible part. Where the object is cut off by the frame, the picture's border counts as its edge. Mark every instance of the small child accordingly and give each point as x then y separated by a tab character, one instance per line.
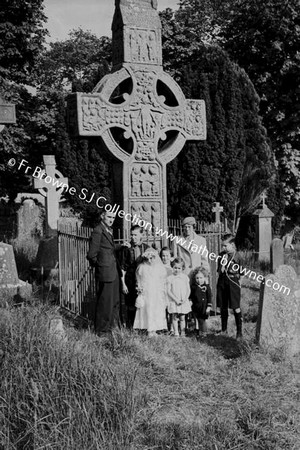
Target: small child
178	290
165	256
201	297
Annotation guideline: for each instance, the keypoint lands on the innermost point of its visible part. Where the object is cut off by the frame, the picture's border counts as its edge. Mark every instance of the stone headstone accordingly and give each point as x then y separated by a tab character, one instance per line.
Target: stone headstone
140	112
277	254
9	280
8	268
7	113
30	220
263	231
57	330
278	325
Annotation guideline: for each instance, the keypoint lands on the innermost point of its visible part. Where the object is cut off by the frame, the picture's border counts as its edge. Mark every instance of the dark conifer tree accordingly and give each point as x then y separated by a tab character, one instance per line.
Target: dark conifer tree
234	164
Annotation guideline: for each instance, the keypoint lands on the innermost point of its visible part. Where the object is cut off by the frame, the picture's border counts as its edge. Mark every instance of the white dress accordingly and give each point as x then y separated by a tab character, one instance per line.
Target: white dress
179	286
152	315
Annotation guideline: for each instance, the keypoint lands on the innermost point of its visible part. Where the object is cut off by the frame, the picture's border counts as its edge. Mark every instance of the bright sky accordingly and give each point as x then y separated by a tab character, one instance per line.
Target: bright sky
92	15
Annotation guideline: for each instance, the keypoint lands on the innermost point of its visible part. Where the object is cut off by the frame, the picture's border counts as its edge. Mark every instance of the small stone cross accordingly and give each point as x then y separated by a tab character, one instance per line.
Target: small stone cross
7	114
263	197
217	209
51	184
140	113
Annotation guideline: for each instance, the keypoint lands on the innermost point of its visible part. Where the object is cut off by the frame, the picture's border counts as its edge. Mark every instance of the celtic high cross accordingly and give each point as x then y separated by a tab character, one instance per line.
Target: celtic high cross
140	112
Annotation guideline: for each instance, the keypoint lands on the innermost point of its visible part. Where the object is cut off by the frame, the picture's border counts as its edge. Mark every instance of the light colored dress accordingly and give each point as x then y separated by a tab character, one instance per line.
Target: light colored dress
152	315
179	286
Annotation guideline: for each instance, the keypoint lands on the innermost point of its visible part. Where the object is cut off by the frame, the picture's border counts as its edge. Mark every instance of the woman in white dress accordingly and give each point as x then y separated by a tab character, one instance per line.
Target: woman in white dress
151	301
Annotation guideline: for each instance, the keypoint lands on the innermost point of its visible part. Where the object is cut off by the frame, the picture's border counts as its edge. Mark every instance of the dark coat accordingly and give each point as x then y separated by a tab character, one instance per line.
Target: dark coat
102	256
201	299
129	264
229	282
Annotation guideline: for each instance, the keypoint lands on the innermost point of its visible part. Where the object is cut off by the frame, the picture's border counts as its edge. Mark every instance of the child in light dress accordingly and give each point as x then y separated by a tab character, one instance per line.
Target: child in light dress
178	290
201	297
151	301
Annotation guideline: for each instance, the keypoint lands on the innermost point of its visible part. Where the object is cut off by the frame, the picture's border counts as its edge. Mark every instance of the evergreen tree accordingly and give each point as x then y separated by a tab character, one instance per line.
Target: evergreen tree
264	39
234	164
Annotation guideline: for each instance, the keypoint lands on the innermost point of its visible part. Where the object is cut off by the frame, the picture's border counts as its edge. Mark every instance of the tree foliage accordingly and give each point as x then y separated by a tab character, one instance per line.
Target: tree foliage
76	64
22	35
234	164
80	61
264	38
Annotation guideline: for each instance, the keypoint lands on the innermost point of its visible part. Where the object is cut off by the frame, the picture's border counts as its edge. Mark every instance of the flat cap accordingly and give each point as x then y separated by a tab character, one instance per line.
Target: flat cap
189	221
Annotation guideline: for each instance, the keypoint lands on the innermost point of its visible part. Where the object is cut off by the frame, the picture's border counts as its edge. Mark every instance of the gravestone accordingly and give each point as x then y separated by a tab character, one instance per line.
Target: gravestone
277	254
57	330
30	219
7	114
263	231
140	112
217	209
9	280
278	325
51	184
8	268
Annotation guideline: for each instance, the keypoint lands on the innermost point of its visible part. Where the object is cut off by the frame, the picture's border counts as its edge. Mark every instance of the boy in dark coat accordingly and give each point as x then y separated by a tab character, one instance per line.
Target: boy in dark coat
228	286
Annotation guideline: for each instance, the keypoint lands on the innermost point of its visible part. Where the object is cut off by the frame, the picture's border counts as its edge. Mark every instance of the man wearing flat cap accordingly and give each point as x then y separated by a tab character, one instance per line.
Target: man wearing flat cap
191	247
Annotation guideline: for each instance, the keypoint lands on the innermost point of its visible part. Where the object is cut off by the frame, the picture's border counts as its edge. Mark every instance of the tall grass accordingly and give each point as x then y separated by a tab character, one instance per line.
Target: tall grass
25	251
126	391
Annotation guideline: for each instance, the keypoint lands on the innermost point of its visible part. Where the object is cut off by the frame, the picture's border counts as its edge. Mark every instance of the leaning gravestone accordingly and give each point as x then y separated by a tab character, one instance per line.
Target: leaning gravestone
278	325
140	112
9	280
277	254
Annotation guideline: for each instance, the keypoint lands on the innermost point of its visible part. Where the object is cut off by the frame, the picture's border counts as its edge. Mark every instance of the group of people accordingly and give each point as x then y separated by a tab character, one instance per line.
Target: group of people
159	290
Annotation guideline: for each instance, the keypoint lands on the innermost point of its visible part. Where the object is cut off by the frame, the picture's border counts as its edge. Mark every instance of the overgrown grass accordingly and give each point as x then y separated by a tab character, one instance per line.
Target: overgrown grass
130	392
25	251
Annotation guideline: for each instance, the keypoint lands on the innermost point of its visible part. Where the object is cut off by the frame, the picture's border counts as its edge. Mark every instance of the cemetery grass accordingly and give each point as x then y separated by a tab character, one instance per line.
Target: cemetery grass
127	391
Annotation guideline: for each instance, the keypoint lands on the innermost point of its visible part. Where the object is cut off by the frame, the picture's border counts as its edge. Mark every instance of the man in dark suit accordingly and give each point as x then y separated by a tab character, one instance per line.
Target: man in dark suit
102	256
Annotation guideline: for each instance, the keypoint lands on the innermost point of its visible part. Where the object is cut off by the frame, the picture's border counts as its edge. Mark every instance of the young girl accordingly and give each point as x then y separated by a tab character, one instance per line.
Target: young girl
165	256
201	297
151	300
178	290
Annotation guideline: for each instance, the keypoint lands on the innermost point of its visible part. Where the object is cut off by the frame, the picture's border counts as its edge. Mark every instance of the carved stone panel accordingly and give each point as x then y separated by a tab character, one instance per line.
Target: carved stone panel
148	214
145	180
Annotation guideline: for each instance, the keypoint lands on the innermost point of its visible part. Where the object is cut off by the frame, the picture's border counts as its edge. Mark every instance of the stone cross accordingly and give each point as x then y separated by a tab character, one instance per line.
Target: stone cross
263	197
217	209
51	184
263	233
140	112
7	114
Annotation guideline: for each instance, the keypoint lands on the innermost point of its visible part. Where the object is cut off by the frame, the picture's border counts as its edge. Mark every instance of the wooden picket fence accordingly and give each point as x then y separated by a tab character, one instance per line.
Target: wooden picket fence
77	277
